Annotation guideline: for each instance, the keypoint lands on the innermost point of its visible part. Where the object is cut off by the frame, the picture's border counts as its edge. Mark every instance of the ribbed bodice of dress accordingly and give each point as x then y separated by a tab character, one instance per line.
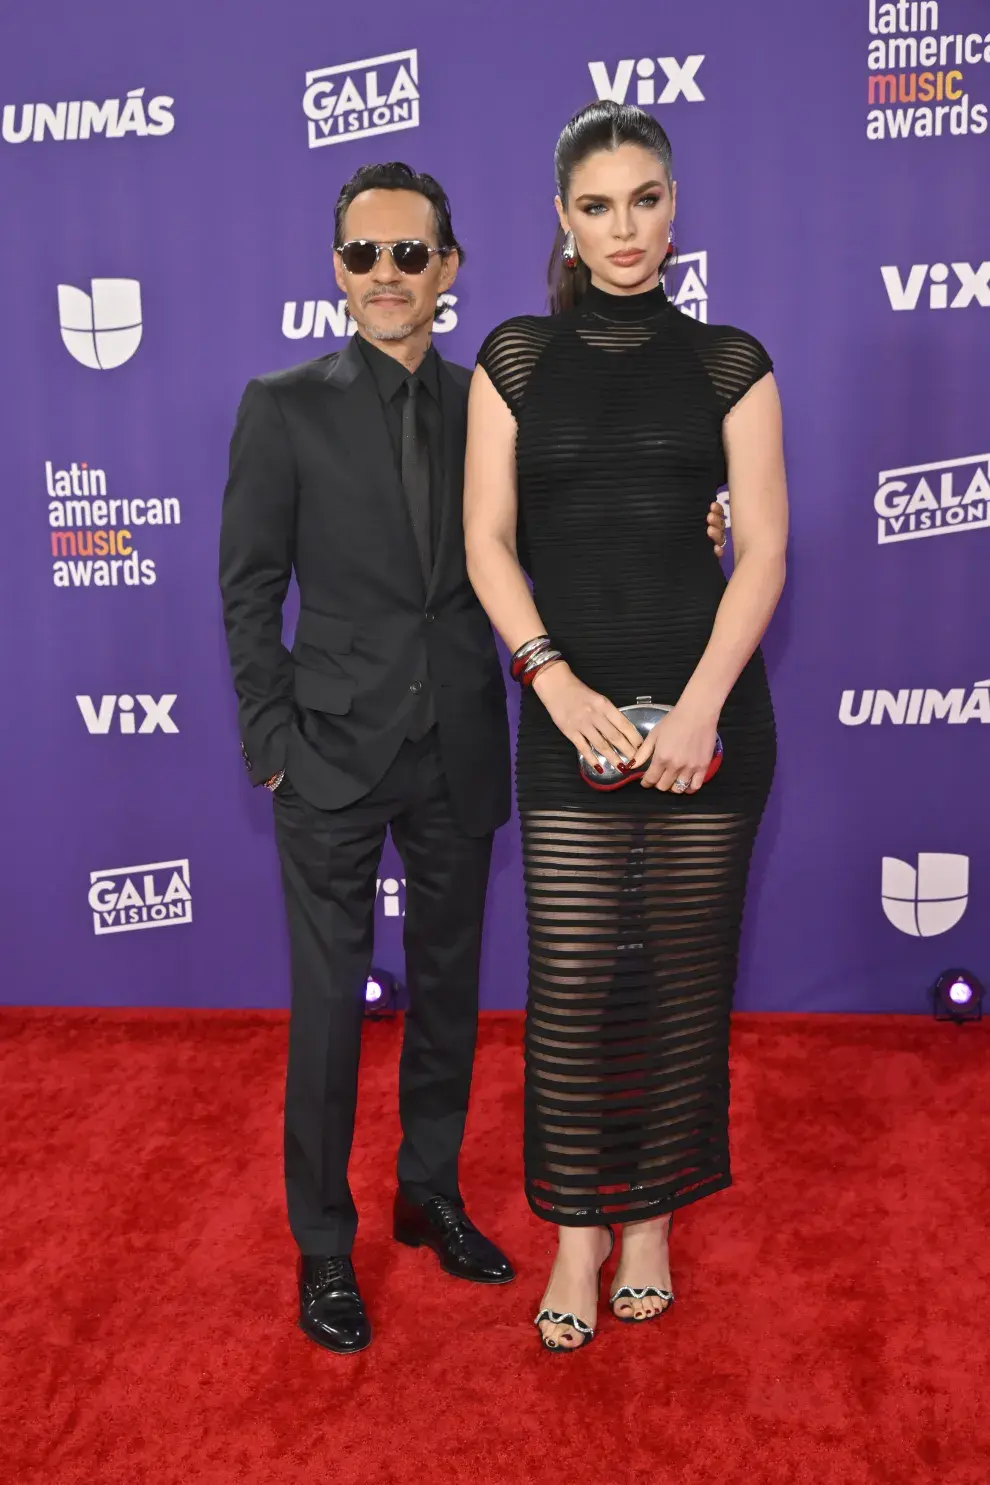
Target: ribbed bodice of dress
619	407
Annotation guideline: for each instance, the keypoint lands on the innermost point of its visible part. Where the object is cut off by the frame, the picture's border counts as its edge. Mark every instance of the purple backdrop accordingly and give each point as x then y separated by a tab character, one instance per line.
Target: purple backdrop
168	176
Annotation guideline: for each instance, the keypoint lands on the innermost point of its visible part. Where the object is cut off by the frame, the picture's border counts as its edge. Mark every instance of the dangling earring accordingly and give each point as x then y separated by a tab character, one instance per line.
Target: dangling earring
569	251
671	243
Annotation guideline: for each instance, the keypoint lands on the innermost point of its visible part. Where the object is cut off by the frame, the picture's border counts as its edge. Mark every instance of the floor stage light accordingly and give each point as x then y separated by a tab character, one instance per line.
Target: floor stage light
957	995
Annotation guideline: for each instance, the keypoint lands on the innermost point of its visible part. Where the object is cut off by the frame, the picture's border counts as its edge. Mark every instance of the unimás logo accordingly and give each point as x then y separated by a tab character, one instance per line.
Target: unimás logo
91	533
391	893
99	716
114	118
933	499
353	100
686	284
970	285
101	329
916	706
919	74
123	898
928	899
658	80
316	318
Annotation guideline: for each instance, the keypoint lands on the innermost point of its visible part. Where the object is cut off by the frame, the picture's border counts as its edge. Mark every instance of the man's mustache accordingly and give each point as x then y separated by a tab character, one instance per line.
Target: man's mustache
374	294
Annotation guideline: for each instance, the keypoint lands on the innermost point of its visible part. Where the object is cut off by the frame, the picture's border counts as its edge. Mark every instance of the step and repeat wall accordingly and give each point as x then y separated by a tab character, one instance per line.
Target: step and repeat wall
168	175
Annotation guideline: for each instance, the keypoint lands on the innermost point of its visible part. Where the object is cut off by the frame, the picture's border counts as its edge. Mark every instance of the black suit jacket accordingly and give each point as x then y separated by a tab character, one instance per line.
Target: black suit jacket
313	488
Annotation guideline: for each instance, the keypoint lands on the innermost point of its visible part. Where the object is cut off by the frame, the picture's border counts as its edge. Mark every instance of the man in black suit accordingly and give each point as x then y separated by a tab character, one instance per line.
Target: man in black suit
389	713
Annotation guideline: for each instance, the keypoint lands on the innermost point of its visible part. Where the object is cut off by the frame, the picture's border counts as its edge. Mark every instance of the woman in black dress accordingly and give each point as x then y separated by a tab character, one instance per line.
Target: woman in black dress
597	438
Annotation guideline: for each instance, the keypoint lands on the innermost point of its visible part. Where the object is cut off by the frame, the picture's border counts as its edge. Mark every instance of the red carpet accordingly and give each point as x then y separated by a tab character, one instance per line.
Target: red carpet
830	1329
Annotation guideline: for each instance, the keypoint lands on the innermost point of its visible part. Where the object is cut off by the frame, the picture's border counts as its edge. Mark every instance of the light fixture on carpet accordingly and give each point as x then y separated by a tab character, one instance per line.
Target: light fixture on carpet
381	995
957	995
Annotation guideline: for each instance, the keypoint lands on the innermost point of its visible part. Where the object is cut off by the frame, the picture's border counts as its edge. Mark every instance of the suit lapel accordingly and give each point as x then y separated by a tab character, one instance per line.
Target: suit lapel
453	408
370	447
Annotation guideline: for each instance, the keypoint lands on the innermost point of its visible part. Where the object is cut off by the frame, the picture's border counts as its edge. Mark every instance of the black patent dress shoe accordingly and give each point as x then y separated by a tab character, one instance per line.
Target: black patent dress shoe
445	1227
331	1310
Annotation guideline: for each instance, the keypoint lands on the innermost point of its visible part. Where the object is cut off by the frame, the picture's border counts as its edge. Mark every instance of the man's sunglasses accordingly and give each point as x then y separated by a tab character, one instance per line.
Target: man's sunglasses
409	256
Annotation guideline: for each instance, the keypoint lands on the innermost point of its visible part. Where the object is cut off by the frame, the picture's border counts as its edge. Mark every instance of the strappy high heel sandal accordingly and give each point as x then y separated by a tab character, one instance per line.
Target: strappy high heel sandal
585	1331
651	1291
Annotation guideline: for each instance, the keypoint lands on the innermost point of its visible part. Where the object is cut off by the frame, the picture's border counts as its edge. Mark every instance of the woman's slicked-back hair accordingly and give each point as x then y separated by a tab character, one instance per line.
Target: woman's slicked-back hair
395	176
601	126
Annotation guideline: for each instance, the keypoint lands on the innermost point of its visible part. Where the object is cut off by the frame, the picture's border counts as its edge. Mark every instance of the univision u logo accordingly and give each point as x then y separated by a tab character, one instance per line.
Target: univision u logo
929	900
101	329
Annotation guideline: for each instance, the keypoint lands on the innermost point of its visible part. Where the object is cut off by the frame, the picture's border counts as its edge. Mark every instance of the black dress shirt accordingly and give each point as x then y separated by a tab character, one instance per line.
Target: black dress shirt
390	379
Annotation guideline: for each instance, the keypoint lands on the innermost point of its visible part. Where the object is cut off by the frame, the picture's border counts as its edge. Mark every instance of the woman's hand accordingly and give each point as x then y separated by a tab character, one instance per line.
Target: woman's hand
591	722
680	751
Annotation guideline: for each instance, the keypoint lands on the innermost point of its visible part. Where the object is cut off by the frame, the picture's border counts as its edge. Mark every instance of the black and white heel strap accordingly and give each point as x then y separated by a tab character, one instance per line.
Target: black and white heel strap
626	1291
555	1317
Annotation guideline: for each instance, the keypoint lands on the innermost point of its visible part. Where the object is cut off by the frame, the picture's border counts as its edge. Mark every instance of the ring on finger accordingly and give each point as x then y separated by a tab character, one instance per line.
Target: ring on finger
680	785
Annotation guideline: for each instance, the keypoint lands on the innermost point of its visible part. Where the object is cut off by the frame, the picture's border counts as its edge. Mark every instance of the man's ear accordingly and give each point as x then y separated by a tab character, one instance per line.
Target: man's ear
448	272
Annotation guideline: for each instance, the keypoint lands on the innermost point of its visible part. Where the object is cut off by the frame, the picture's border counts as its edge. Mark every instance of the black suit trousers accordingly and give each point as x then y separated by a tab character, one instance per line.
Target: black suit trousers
330	861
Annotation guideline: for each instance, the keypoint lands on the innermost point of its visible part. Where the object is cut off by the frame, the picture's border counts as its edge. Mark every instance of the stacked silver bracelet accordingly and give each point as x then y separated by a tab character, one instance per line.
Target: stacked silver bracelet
532	657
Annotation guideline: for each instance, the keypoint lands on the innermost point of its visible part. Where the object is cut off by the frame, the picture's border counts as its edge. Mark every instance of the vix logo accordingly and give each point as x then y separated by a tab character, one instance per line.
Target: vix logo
156	717
392	892
974	285
356	99
927	901
102	329
130	897
680	80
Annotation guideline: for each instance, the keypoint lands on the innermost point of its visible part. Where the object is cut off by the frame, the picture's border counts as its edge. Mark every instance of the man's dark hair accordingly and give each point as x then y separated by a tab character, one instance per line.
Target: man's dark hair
395	176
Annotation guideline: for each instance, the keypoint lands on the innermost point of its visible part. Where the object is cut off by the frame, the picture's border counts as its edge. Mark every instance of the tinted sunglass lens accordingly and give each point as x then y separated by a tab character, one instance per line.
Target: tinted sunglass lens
411	257
358	257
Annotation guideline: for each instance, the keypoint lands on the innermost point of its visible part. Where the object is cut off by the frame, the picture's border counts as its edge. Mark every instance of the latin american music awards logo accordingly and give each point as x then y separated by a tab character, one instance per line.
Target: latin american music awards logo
92	529
919	74
354	100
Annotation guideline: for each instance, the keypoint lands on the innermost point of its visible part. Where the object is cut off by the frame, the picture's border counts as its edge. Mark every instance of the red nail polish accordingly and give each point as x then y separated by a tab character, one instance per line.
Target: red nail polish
598	768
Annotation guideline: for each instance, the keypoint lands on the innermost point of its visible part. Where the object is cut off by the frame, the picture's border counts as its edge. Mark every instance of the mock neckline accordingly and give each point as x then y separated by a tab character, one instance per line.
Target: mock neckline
625	307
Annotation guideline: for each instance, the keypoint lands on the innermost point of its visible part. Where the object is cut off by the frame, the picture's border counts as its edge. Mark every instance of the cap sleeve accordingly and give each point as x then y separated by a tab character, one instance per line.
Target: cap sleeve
739	364
509	354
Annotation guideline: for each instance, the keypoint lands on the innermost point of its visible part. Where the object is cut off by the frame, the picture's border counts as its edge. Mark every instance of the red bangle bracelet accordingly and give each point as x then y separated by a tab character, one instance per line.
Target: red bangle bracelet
526	653
539	662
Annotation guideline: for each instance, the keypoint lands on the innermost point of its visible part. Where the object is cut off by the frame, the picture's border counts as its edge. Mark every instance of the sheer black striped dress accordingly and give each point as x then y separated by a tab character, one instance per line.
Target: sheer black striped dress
634	898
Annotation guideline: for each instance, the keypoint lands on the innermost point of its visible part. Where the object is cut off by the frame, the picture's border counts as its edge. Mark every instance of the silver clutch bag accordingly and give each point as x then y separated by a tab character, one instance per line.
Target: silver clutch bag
644	714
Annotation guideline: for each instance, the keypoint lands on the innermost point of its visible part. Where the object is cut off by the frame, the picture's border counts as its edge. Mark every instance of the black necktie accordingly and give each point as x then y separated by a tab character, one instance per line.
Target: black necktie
415	464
